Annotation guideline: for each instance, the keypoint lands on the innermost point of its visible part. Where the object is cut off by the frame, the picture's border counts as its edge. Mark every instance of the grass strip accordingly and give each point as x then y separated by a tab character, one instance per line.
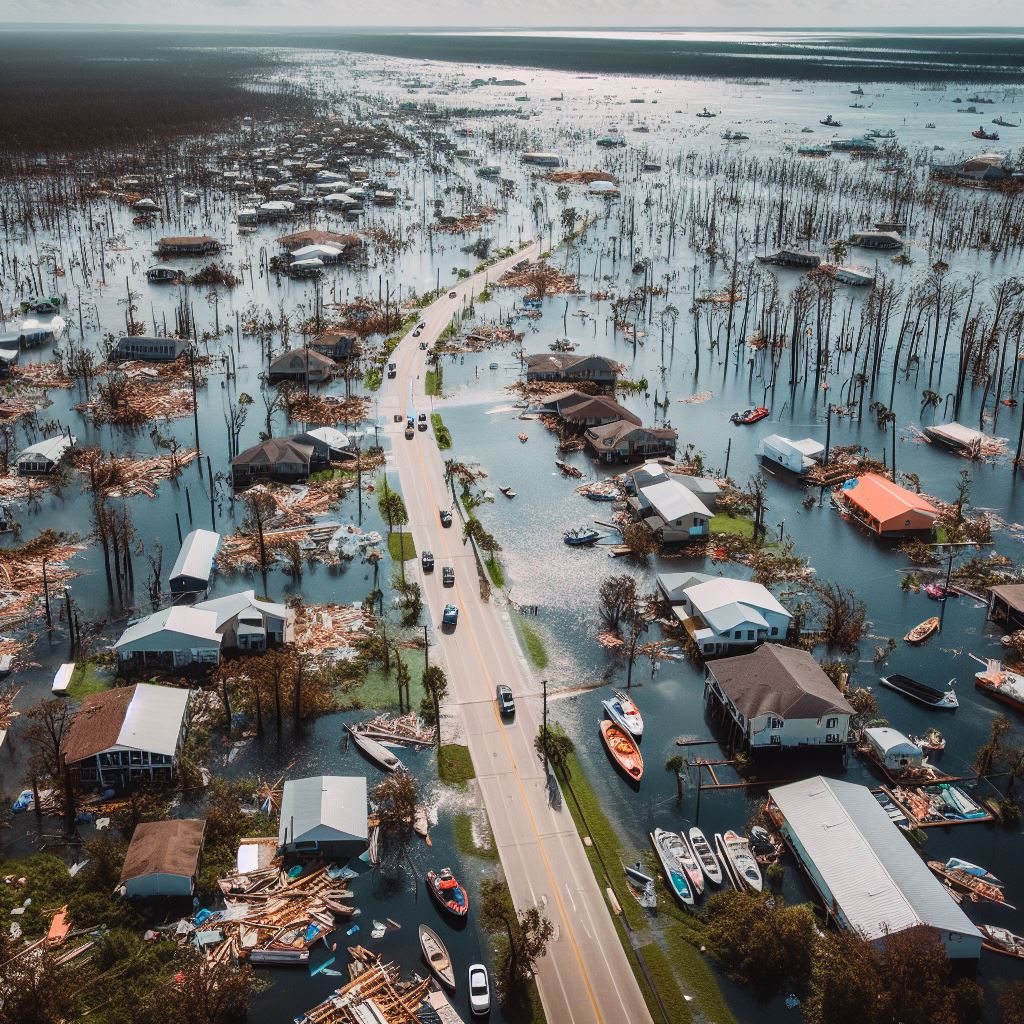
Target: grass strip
465	840
495	571
698	976
401	546
454	765
664	978
534	643
442	434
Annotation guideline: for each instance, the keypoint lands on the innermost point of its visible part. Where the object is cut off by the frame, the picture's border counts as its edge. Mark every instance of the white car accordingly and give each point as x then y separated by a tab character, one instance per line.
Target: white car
479	990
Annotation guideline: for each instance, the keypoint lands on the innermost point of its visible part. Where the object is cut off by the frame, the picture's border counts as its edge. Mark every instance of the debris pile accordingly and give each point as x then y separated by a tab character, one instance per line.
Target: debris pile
375	992
124	477
22	589
579	177
332	631
541	279
40	375
471	221
406	730
327	410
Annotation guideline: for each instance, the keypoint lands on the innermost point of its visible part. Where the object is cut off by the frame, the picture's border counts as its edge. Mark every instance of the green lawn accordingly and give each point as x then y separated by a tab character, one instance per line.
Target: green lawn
665	982
941	535
495	571
734	525
433	382
697	975
533	641
465	841
379	689
89	678
373	379
454	765
442	434
401	546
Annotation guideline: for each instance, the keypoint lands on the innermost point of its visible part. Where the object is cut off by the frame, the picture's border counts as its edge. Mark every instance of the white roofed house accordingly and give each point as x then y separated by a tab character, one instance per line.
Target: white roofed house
796	456
328	443
722	615
44	457
150	349
191	571
127	735
245	622
324	816
778	698
171	638
672	512
867	874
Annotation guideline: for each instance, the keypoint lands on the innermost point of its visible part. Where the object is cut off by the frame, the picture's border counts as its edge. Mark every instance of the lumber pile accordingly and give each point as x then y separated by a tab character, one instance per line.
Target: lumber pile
541	279
333	631
41	376
375	992
406	730
124	477
21	576
471	221
327	410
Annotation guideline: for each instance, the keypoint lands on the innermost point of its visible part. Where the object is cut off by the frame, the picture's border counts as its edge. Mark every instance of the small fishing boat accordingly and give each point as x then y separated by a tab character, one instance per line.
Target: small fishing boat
671	850
706	113
980	133
641	885
507	491
749	416
831	122
1000	684
450	895
922	631
1000	940
523	438
731	136
937	592
737	849
932	741
375	751
580	537
436	955
420	821
373	845
1003	123
623	749
710	867
859	91
569	470
921	692
977	887
624	713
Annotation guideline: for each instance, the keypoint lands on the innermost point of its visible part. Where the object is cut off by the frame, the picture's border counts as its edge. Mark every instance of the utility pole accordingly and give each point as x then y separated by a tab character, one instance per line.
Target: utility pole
945	596
46	597
544	727
426	649
828	433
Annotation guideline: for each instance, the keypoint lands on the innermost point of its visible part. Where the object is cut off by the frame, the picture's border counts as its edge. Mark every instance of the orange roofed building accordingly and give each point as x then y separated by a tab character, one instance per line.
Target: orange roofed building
884	507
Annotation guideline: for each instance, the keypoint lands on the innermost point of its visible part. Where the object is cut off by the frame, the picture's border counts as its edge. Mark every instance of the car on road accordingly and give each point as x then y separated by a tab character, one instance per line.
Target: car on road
416	333
392	370
427	561
399	417
409	433
506	702
479	990
452	295
448	576
450	616
421	325
446	517
423	345
421	421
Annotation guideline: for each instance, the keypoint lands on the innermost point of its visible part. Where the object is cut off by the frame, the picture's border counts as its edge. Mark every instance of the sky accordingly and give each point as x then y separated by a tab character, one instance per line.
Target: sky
392	14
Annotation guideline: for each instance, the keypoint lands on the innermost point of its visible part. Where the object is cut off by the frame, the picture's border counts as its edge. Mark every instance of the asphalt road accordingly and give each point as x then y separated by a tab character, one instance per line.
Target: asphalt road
585	976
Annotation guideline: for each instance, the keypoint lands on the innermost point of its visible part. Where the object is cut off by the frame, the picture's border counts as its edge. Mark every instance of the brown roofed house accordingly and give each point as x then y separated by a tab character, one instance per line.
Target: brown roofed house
163	858
187	245
571	367
625	441
275	459
1006	605
316	236
301	364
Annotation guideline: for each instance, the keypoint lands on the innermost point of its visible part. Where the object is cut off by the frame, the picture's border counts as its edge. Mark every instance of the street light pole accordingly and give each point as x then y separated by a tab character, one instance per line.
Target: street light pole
544	727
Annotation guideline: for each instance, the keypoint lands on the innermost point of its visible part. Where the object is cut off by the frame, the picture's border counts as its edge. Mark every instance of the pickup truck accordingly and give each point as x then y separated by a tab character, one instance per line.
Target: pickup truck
448	576
427	561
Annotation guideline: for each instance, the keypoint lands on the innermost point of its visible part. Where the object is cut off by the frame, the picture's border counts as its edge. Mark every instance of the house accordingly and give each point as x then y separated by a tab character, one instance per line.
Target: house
584	410
328	443
127	735
704	487
151	349
624	441
884	507
672	512
957	437
867	874
894	751
1006	606
191	571
326	254
246	623
301	364
569	366
171	638
984	168
324	815
604	189
877	239
276	459
795	456
724	614
671	585
316	236
44	457
187	245
778	698
163	858
541	159
338	345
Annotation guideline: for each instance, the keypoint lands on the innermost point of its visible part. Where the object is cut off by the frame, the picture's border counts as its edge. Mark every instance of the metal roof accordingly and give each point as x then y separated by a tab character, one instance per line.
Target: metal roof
227	607
52	449
725	603
876	877
182	627
195	559
323	808
671	500
887	741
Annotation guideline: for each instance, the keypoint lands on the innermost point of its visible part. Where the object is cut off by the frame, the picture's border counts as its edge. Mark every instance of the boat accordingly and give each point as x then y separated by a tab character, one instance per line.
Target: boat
972	869
731	136
569	470
623	749
332	901
921	692
450	895
420	821
737	850
932	741
922	631
831	122
1000	940
641	885
671	849
436	955
980	133
977	887
278	957
706	113
580	537
999	683
856	106
624	713
1003	123
523	438
859	91
375	751
507	491
701	848
930	124
373	844
749	416
938	592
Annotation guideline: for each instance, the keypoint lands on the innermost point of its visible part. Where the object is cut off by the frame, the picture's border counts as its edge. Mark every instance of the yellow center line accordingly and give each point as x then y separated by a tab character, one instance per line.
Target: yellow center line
519	782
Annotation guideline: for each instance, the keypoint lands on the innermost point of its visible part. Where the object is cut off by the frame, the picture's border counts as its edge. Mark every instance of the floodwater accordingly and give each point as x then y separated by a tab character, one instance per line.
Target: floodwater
478	409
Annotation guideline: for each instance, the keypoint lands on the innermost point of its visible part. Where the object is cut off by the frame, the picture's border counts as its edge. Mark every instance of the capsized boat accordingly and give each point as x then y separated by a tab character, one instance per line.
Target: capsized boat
922	631
623	749
671	850
1000	940
710	867
932	741
921	692
999	683
375	751
450	895
624	713
737	849
641	885
436	955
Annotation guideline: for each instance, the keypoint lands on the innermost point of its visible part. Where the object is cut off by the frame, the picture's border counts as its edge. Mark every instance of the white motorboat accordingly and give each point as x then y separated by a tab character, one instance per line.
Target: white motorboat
624	713
701	848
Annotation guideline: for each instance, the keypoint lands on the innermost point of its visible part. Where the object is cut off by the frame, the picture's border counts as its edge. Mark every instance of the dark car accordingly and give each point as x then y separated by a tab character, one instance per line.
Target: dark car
409	433
423	345
416	333
427	561
506	702
421	422
448	576
451	295
446	517
450	617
